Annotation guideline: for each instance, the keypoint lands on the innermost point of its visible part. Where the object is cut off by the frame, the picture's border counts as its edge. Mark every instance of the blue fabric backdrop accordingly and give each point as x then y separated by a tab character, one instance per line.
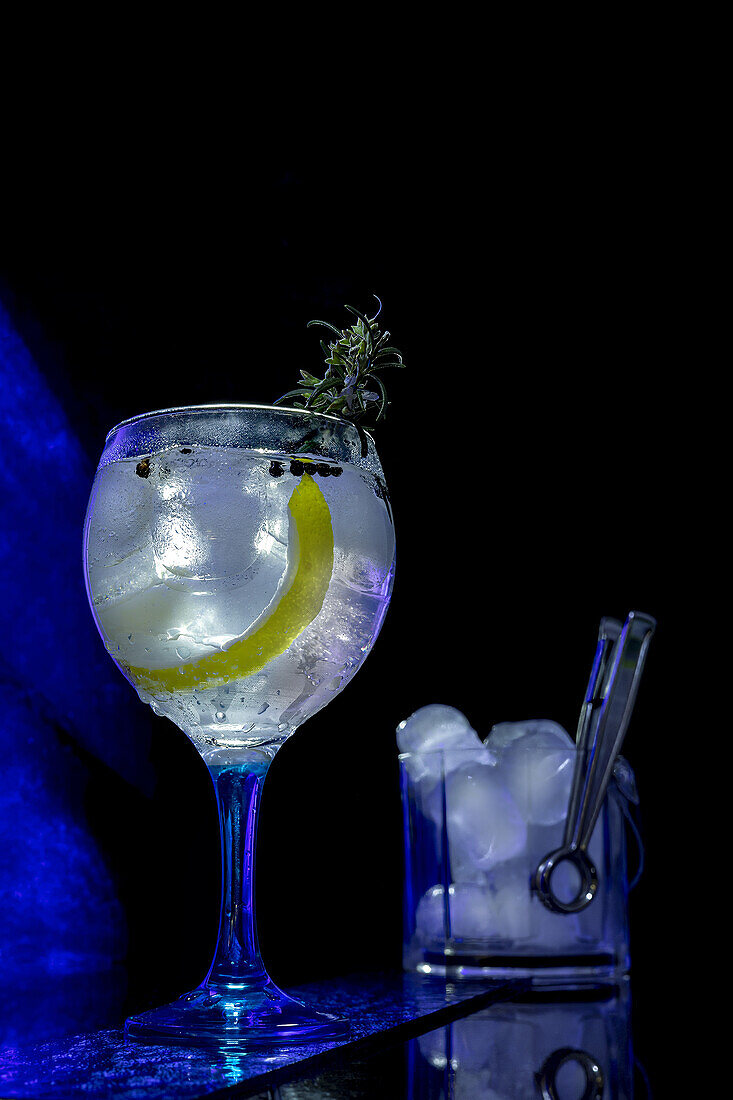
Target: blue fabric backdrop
66	717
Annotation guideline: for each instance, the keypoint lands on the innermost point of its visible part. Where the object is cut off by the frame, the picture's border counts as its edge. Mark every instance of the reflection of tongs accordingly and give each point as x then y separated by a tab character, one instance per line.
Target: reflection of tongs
604	718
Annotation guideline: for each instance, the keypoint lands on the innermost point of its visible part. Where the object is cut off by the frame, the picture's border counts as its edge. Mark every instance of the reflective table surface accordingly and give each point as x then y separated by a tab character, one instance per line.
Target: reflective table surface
411	1037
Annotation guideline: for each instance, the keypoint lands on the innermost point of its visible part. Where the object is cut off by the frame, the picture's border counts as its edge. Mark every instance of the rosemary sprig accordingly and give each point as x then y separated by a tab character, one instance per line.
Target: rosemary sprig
353	359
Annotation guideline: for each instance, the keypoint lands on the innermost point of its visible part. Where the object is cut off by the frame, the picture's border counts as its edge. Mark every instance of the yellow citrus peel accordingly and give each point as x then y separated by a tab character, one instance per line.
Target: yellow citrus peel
310	564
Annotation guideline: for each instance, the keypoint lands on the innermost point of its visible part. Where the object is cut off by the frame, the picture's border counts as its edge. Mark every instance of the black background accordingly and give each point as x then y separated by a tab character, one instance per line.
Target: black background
536	451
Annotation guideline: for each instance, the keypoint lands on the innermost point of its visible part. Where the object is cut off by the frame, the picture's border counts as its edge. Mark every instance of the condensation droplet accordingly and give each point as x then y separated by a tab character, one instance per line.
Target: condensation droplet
220	716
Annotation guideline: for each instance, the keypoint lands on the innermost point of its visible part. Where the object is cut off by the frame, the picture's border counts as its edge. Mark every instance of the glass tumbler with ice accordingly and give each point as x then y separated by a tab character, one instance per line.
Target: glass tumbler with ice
478	818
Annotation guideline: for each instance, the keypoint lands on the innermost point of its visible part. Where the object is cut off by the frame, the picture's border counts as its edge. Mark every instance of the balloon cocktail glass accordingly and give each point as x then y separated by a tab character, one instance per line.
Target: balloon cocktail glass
239	563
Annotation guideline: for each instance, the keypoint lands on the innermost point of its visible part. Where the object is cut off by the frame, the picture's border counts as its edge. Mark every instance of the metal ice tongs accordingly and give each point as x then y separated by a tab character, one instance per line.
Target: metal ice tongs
604	718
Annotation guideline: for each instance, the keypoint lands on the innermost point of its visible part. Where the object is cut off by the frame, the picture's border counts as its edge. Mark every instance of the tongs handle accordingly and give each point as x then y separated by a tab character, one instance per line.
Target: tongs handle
608	633
604	719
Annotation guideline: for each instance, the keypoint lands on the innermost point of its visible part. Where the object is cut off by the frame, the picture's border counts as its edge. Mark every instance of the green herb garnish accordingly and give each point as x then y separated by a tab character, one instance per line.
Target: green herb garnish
351	387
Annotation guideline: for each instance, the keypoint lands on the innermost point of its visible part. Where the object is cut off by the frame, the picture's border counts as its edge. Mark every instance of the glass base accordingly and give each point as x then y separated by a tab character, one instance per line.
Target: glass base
556	971
262	1016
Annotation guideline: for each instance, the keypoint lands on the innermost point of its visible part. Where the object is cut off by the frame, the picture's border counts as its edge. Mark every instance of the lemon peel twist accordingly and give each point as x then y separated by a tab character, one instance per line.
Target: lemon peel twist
310	564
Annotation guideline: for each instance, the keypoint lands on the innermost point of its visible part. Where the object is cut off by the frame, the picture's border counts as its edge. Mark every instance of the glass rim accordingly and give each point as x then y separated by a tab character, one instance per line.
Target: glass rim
223	406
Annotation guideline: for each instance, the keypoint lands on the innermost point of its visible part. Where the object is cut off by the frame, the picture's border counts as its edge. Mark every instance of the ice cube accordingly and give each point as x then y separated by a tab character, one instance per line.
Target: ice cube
461	868
432	1046
469	1046
510	1043
505	734
511	901
433	728
536	759
430	915
484	825
470	1083
218	517
554	931
201	555
501	909
469	912
120	513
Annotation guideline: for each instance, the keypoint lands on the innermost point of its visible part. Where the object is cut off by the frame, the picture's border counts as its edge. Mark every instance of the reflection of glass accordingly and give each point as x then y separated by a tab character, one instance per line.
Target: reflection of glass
530	1048
239	564
477	823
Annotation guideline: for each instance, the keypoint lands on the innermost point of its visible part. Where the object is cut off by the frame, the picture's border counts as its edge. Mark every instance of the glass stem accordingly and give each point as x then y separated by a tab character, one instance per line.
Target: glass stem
237	962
